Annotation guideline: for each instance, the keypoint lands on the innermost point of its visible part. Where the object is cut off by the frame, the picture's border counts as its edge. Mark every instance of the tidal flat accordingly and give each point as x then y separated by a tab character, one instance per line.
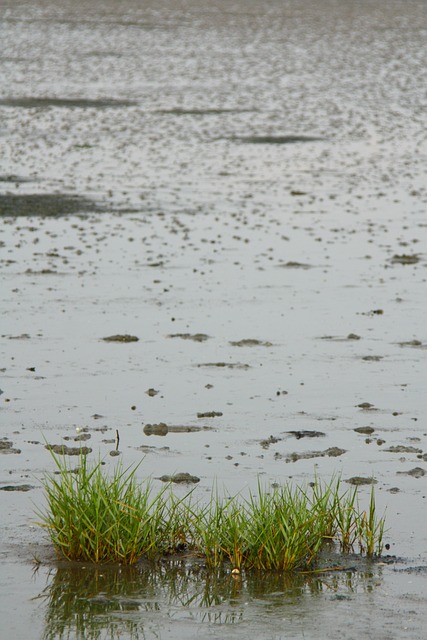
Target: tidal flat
213	259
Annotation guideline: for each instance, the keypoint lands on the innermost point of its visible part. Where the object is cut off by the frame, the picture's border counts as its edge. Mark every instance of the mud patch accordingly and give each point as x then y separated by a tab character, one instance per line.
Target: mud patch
63	450
413	343
67	103
209	414
403	449
177	111
121	338
405	259
332	452
162	429
290	139
295	265
195	337
251	342
349	338
44	205
306	434
6	446
180	478
18	487
359	481
225	365
268	441
416	472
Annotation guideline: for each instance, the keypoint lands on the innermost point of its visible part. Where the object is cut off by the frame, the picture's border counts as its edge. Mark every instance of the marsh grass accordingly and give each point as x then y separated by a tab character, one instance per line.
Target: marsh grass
91	517
94	517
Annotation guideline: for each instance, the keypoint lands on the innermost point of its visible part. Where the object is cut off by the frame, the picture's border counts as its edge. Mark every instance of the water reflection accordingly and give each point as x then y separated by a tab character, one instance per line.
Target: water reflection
84	601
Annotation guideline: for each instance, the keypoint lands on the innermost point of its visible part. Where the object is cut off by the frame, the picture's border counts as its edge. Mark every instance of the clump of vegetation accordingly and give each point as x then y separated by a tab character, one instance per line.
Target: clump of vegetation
95	518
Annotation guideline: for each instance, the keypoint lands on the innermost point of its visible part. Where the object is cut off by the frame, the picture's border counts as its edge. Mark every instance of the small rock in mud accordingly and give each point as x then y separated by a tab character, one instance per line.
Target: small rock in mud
251	342
121	338
18	487
268	441
405	259
367	431
115	452
160	429
306	434
195	337
372	358
225	365
394	490
6	446
403	449
353	336
416	472
151	392
210	414
185	478
63	450
360	480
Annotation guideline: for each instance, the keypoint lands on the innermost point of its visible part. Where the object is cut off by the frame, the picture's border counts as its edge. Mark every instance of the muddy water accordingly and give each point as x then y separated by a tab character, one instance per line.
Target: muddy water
242	188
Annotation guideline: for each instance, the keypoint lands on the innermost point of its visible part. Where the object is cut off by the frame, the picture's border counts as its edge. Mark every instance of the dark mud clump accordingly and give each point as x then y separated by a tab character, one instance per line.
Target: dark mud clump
306	434
121	338
180	478
366	406
44	205
195	337
151	392
358	481
6	446
372	358
63	450
68	103
251	342
209	414
367	431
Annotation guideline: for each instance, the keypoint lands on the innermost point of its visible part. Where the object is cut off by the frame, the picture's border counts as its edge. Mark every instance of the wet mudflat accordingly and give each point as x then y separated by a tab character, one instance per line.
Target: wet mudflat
213	244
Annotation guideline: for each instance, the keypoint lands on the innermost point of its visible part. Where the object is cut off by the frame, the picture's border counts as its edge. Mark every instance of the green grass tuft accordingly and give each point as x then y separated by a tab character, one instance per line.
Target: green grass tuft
95	518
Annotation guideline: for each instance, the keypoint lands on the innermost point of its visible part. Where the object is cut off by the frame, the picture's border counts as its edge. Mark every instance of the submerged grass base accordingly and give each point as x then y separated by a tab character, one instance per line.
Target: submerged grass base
95	518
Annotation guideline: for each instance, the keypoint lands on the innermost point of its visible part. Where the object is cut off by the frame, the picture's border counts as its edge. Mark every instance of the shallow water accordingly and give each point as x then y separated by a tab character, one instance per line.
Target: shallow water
253	171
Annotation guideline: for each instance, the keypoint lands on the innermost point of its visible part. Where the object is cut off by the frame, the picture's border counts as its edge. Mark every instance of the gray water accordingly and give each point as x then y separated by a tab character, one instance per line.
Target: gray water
244	171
